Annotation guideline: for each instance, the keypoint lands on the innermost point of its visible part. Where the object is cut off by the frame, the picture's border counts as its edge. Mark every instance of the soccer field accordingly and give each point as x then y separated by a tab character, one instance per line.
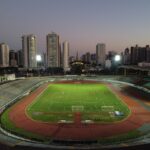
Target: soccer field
95	102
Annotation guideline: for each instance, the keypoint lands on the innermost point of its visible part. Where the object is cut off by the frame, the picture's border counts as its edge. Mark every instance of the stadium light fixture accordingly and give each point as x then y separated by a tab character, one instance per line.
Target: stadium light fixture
117	58
38	58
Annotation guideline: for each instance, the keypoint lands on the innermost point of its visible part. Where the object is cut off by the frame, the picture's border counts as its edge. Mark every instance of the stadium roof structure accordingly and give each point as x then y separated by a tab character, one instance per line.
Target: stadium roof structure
134	67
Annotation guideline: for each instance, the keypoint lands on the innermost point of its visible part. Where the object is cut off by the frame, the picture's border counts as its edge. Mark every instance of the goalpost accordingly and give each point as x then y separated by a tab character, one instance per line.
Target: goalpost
108	109
77	108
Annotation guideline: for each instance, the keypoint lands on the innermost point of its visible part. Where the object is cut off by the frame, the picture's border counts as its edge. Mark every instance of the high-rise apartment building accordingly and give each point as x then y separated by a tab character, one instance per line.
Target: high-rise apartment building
44	59
65	55
93	58
53	50
20	60
12	58
147	53
100	54
142	54
25	51
134	55
29	51
86	57
126	57
4	55
138	54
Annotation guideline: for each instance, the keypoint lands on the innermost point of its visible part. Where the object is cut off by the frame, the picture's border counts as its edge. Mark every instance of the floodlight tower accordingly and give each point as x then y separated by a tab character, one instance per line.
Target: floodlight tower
117	58
117	61
38	60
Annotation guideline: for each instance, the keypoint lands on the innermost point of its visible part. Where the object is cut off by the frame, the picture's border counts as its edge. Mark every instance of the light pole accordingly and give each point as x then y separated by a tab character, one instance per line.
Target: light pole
38	59
117	60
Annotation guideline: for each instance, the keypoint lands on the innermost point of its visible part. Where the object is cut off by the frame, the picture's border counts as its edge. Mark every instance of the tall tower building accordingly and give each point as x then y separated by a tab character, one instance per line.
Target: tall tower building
126	57
100	54
25	51
53	50
77	56
134	55
4	55
29	51
12	58
147	53
20	58
32	51
88	57
65	55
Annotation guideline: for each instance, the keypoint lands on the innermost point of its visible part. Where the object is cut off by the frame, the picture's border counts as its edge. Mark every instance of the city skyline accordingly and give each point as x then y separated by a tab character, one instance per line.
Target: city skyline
83	23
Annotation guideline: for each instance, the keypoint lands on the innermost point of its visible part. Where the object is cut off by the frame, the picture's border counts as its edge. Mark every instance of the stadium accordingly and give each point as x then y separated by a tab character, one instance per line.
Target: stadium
75	112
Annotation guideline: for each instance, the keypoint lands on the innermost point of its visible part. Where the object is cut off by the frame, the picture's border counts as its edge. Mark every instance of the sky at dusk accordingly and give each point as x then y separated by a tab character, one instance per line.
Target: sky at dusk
84	23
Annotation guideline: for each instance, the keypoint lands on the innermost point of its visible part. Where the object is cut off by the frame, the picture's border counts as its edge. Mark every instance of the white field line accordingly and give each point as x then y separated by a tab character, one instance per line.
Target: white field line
119	98
51	103
74	101
35	100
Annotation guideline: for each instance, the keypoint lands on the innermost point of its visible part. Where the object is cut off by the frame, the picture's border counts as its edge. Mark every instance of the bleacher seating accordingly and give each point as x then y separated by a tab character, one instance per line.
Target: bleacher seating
10	90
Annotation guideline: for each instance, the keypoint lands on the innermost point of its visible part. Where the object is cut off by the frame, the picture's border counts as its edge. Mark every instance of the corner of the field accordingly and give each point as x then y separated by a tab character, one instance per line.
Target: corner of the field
130	111
32	103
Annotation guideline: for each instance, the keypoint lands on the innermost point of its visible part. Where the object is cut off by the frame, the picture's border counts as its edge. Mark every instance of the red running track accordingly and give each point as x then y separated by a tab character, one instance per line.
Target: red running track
77	131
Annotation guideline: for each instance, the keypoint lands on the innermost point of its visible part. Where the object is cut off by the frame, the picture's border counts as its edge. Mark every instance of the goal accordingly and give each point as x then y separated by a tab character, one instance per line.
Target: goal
77	108
109	110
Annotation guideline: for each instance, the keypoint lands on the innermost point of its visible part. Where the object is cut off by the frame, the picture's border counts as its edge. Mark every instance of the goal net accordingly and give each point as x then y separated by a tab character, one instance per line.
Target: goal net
109	110
77	108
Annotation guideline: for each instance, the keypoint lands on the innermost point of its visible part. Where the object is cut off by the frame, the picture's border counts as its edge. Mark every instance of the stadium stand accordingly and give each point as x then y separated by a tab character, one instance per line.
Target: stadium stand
8	92
11	90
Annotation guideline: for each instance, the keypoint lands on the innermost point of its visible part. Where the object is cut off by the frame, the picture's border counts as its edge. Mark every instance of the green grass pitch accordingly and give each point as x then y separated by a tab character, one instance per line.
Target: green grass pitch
57	101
